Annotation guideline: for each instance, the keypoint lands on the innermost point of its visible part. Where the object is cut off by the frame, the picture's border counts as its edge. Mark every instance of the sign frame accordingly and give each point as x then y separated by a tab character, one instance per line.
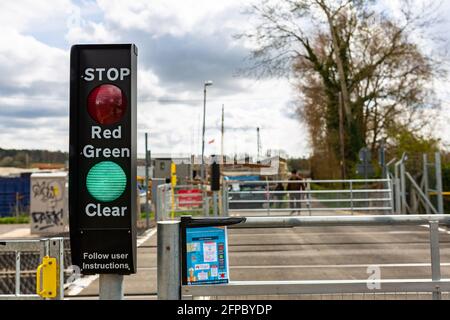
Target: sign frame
189	222
92	232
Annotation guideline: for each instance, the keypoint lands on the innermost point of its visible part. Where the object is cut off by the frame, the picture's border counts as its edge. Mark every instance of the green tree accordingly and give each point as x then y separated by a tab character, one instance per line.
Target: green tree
404	140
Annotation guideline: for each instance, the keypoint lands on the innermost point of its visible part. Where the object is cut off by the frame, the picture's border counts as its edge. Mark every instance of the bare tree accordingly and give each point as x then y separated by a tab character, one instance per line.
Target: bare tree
348	48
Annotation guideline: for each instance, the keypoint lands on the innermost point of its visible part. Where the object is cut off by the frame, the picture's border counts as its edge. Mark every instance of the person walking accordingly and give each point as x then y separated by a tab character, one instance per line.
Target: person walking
279	195
294	187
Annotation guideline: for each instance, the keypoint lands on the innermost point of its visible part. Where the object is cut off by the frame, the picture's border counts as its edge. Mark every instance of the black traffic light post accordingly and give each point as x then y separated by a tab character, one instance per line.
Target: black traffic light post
215	183
102	175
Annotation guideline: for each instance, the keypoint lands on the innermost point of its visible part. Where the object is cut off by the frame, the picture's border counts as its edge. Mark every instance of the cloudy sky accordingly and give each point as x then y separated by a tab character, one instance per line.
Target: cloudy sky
181	44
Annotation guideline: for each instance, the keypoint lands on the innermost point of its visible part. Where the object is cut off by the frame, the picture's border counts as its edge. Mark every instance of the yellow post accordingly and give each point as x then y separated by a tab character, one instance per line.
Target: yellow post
49	270
173	180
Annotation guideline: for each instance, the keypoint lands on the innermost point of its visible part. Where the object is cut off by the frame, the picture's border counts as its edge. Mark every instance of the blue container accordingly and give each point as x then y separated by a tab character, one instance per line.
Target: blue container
13	190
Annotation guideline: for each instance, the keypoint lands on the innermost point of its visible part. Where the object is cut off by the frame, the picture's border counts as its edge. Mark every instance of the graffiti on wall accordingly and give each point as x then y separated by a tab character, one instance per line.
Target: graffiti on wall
47	219
48	192
48	205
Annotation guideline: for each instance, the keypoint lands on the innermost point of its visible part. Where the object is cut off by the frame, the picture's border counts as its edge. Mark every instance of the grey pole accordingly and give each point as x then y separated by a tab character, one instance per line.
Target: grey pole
56	249
147	206
366	186
383	159
435	257
382	162
268	197
351	196
397	189
205	205
203	172
216	203
391	188
440	200
168	260
203	134
158	204
17	282
426	182
403	188
150	175
111	287
224	199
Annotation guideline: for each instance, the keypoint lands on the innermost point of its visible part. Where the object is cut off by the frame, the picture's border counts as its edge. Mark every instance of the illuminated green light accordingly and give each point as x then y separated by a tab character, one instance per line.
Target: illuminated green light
106	181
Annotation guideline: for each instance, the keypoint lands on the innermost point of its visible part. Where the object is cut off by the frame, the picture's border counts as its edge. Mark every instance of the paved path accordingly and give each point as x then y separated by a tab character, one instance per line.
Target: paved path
15	231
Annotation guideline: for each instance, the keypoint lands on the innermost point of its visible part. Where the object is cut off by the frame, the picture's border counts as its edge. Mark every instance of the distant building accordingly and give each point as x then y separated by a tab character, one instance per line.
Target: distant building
49	166
15	189
16	172
161	169
273	168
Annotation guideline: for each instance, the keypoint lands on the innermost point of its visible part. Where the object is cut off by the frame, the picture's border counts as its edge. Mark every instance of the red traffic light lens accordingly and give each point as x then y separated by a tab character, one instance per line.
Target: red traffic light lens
107	104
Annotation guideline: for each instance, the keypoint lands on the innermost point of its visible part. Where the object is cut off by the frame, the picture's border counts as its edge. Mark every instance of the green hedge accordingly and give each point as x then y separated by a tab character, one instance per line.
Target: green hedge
14	220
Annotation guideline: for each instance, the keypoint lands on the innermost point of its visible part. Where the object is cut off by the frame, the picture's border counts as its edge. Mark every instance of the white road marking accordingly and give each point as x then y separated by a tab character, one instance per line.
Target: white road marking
440	229
82	283
147	235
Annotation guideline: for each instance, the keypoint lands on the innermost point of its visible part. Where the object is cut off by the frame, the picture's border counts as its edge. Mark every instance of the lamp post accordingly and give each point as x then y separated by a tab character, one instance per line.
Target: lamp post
203	173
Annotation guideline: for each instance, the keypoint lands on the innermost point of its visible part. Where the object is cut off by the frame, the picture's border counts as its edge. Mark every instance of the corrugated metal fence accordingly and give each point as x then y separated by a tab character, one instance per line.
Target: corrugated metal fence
14	195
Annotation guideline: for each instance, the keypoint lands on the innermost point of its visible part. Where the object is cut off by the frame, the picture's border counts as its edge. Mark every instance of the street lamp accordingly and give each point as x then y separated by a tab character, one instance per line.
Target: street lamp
207	83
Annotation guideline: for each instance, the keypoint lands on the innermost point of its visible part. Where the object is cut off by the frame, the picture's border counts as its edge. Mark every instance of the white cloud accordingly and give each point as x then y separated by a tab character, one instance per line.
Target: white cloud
30	15
90	32
34	86
161	17
34	73
149	85
50	134
29	61
176	128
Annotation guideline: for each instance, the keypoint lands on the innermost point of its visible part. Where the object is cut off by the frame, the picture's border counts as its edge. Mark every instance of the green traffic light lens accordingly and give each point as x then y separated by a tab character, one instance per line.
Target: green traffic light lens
106	181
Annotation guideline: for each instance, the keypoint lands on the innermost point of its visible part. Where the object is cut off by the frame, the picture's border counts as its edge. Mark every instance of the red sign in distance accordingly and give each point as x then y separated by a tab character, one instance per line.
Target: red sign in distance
107	104
189	198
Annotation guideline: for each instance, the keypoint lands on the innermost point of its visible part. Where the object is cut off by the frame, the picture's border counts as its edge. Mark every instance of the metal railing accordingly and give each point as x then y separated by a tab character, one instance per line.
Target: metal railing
409	194
170	203
53	247
169	254
437	188
374	195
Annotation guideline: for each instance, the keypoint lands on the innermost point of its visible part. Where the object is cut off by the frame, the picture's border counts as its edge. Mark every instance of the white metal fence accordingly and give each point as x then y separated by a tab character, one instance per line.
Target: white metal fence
169	255
311	196
413	196
181	199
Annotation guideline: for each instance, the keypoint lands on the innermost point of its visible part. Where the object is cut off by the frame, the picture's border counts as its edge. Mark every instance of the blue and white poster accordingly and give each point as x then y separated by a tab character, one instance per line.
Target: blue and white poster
207	255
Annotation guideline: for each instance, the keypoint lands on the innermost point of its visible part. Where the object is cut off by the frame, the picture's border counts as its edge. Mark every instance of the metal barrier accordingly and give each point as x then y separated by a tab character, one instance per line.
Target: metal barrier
169	285
51	247
410	194
181	200
265	196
